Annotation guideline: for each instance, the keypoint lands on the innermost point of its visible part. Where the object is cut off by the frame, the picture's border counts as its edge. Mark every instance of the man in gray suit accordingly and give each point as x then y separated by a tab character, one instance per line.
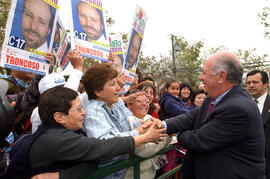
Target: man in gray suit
257	85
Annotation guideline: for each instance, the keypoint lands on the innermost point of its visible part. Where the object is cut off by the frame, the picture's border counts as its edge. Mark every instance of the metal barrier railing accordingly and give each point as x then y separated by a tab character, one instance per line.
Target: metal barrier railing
135	162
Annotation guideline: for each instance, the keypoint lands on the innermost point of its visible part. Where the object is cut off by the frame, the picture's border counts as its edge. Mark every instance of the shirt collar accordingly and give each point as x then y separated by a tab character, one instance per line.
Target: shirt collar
262	98
43	48
220	97
104	104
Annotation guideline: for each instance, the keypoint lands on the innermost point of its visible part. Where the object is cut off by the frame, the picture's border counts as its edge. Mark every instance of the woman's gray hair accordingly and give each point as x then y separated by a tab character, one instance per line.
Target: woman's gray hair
231	64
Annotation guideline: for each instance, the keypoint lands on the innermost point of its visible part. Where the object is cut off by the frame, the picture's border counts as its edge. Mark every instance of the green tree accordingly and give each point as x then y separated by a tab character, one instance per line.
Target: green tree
265	21
159	67
188	63
88	62
213	50
252	61
4	8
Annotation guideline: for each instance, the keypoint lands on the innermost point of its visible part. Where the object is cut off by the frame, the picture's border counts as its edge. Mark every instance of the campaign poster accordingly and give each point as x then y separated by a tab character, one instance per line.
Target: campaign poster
134	47
129	77
117	50
135	40
61	45
28	35
88	30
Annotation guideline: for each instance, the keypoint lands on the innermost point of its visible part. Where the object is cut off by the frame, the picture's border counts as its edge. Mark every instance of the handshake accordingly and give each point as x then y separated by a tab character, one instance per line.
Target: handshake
151	131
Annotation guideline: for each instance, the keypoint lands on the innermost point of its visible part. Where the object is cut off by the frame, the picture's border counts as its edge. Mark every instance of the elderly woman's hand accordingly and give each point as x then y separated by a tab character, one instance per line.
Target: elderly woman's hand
132	97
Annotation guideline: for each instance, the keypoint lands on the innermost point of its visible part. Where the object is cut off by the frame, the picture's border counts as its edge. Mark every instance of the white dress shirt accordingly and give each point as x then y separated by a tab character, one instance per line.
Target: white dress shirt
261	101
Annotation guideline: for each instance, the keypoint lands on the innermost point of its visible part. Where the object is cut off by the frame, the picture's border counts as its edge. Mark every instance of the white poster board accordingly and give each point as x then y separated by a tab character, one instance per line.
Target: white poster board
135	40
88	30
28	36
61	45
117	50
134	47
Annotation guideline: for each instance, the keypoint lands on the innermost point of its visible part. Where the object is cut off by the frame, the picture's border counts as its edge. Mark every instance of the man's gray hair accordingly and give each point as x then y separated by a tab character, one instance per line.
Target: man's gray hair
231	64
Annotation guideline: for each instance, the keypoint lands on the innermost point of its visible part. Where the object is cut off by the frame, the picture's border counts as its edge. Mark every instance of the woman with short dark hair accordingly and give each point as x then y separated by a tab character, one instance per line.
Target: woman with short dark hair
106	113
197	98
185	93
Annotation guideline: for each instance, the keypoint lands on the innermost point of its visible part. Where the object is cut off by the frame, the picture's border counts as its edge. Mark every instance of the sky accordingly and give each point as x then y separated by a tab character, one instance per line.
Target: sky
231	23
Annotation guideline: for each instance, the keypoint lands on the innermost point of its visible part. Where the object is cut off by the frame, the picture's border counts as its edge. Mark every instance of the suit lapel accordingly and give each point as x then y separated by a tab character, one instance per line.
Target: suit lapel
266	110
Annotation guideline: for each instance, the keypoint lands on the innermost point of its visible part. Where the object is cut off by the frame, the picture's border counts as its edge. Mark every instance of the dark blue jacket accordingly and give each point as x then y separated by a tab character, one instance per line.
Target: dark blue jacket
21	166
54	148
173	106
227	143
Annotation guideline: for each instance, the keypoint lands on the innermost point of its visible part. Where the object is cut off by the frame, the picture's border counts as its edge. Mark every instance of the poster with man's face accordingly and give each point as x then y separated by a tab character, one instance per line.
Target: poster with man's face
117	50
135	40
61	44
88	29
28	35
133	51
134	47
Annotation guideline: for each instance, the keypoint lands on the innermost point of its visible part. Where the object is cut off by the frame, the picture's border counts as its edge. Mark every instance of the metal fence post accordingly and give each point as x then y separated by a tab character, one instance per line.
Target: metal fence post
137	171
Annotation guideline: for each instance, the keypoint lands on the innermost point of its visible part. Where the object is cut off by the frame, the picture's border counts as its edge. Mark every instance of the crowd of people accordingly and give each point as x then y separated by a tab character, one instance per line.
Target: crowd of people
222	127
53	127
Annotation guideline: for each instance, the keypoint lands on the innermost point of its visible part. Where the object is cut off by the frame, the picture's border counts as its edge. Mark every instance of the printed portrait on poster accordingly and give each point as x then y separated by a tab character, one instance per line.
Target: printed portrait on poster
117	50
88	29
133	51
88	22
28	35
32	25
